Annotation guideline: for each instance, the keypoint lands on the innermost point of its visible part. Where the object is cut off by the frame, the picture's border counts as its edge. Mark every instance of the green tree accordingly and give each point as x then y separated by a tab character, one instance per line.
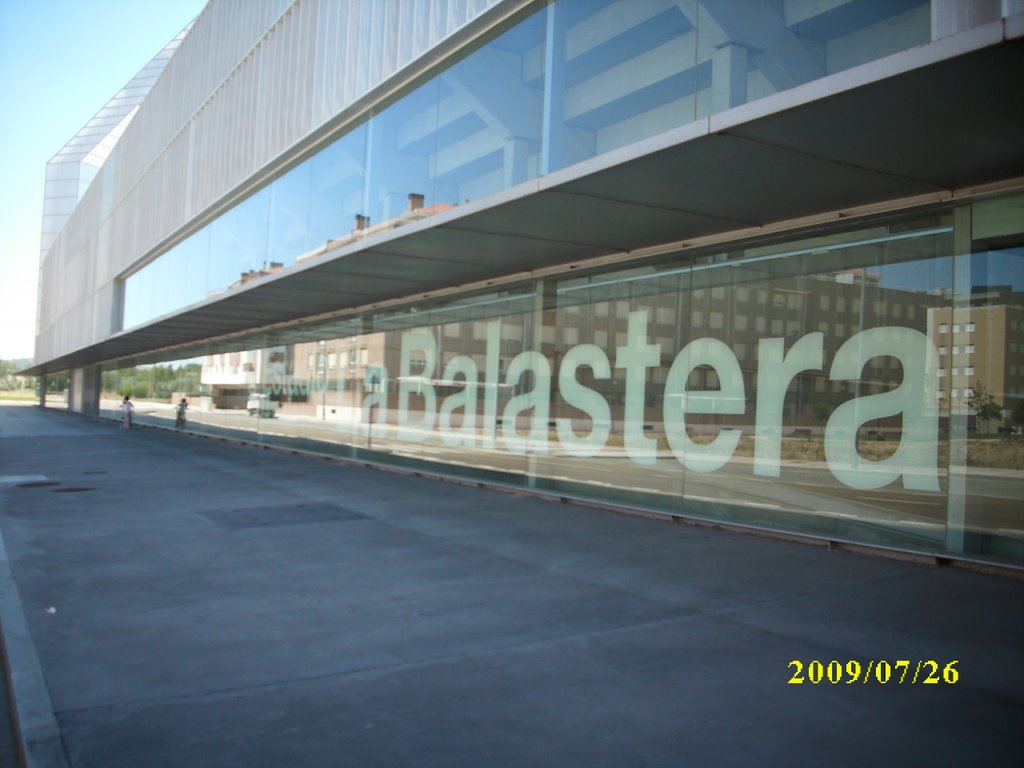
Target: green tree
159	381
7	370
984	405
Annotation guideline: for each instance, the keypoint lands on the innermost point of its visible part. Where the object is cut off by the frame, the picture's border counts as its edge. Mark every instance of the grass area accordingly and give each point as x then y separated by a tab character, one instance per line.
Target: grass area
21	395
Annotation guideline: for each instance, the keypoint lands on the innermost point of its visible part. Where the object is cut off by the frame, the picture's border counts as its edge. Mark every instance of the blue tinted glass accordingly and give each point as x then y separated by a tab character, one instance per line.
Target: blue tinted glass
222	265
196	265
136	299
250	235
490	117
173	278
400	149
622	70
336	188
288	228
618	72
752	50
173	281
238	243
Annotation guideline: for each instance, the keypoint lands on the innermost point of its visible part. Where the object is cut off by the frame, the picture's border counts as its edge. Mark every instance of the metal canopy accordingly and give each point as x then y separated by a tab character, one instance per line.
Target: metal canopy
934	129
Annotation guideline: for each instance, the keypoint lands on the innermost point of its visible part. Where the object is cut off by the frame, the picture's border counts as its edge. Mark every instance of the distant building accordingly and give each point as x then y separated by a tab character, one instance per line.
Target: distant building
980	345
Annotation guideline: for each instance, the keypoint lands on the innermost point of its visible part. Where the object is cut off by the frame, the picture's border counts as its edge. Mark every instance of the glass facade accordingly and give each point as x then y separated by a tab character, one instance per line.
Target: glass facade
857	381
576	79
833	383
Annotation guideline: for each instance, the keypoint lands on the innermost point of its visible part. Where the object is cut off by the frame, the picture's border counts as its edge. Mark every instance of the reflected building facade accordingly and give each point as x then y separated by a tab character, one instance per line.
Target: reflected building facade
740	262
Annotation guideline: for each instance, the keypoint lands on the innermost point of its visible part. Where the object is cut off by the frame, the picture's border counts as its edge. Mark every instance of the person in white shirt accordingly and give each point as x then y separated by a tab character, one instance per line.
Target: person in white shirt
126	412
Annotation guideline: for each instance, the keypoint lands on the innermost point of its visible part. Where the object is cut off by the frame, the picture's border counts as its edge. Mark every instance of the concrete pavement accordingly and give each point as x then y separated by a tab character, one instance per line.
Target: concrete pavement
194	602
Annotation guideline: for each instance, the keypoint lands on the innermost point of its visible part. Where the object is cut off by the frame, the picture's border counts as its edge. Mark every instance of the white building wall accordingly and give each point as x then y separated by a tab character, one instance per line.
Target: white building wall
252	79
256	81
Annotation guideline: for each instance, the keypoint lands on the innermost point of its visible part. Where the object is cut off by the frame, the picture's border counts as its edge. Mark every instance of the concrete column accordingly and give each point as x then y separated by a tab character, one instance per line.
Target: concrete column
545	302
956	492
84	390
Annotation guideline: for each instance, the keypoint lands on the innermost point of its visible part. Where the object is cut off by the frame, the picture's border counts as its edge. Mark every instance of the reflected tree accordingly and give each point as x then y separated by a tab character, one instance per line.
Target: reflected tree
984	405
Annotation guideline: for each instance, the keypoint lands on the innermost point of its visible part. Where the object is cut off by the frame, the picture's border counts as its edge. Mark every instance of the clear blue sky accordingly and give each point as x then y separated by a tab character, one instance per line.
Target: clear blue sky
60	62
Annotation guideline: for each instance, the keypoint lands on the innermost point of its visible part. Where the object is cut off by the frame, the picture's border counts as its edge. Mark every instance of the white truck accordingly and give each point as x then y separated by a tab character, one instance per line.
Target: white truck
260	404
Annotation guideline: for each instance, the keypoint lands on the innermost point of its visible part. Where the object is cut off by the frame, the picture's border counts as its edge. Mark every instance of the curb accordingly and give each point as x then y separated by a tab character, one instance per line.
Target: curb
36	731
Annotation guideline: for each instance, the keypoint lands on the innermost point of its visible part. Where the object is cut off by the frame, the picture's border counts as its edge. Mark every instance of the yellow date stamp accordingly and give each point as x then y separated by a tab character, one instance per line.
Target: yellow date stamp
878	672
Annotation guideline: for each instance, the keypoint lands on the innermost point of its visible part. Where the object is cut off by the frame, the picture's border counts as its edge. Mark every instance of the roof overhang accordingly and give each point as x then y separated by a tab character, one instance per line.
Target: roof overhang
926	124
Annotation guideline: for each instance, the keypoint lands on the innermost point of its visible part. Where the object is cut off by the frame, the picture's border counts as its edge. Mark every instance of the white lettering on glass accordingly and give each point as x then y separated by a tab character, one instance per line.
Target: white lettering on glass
408	385
585	399
636	357
465	400
729	399
916	457
537	400
775	371
524	418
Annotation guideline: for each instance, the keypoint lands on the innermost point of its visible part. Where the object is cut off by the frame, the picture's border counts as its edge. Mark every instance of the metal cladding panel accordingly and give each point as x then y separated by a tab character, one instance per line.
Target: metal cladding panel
360	44
223	34
690	183
248	83
256	80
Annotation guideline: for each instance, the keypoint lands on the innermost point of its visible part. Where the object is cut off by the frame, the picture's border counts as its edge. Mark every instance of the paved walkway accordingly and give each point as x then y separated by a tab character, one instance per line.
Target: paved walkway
192	602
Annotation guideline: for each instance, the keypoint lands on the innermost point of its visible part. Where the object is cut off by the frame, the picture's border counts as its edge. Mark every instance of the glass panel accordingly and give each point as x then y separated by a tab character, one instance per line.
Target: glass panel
63	170
622	70
196	265
986	338
155	391
57	188
162	276
588	77
489	118
616	72
288	231
771	385
793	384
753	50
175	280
136	299
401	144
337	188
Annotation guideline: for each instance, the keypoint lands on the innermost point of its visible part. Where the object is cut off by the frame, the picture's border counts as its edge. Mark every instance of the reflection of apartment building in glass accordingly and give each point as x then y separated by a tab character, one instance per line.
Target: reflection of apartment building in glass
230	377
980	345
321	379
694	257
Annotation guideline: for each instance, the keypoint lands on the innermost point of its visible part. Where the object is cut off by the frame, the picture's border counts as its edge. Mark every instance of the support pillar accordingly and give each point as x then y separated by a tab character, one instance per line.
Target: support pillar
956	492
545	302
84	390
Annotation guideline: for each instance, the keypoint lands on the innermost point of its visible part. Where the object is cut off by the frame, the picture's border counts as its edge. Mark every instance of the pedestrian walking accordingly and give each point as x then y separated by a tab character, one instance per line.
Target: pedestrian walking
179	421
126	412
